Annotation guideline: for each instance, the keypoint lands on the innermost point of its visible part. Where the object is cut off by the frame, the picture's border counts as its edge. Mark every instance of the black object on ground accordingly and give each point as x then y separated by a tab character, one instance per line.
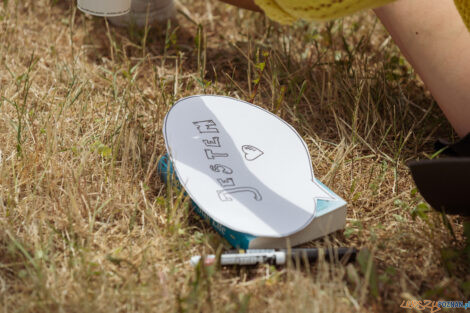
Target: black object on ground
445	182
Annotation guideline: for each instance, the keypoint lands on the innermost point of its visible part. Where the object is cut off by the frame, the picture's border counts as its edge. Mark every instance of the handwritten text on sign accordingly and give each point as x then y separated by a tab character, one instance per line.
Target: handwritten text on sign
214	152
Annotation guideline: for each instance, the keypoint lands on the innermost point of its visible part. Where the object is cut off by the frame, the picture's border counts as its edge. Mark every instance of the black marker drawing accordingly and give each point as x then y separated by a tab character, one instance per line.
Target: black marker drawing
212	155
225	169
206	126
212	143
226	182
224	194
251	152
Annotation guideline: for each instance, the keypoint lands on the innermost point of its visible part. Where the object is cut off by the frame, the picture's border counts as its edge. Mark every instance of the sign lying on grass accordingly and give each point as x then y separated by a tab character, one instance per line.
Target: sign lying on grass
243	166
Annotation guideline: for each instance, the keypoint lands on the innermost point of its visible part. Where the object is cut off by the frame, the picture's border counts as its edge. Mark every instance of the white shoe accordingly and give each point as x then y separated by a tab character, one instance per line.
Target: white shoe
146	11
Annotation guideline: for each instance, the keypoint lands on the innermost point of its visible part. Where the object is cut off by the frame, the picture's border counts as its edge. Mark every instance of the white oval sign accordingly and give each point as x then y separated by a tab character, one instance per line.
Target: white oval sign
245	167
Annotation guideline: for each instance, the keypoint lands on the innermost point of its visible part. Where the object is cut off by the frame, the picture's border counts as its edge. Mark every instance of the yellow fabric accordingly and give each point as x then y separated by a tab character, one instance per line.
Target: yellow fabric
288	11
464	8
275	12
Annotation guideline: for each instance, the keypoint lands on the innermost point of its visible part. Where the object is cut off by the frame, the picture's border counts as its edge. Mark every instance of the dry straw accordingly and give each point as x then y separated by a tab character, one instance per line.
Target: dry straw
87	226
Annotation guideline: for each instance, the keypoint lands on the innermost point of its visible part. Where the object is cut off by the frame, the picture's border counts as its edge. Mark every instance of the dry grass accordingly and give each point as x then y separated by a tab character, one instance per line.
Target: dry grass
87	226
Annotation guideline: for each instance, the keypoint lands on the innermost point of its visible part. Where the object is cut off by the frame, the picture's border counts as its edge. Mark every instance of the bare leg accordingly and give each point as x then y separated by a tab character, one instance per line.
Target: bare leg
434	39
